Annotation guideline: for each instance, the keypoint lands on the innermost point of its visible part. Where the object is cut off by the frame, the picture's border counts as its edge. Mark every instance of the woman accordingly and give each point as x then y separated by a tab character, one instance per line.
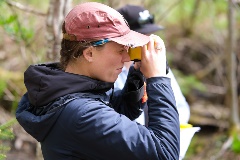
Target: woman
67	109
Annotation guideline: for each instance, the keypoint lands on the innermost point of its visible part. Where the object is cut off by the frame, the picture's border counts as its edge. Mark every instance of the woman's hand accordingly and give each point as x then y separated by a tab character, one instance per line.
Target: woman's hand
153	62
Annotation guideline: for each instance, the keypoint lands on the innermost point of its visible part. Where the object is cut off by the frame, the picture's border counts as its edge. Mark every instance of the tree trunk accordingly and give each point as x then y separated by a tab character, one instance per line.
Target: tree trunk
56	14
232	68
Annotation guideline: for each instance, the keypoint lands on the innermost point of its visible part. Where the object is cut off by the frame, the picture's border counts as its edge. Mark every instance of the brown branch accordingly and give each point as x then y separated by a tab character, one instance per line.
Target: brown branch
210	67
215	89
24	8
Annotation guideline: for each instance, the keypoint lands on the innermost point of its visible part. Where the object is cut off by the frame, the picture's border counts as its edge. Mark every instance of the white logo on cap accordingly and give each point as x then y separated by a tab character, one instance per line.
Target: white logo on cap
144	15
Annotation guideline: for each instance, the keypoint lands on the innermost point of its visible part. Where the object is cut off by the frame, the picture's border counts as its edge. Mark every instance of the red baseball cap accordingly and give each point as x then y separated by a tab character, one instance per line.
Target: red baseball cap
95	21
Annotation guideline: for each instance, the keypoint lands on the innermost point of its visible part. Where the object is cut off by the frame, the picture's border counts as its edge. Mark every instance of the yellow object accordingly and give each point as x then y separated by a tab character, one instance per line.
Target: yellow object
186	125
135	53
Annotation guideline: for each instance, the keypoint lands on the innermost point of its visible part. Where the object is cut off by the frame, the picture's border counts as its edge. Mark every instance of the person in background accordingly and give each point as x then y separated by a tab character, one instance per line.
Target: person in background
66	107
140	20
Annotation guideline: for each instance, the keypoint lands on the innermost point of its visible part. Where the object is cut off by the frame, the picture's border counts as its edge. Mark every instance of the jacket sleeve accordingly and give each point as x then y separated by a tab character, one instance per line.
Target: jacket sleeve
128	101
162	109
126	139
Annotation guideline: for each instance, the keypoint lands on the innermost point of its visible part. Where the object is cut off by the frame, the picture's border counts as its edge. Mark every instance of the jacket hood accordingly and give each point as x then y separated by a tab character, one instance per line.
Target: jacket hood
46	82
49	89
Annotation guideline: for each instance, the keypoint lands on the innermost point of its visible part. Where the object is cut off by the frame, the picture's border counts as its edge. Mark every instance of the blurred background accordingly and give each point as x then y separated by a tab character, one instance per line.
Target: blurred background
203	50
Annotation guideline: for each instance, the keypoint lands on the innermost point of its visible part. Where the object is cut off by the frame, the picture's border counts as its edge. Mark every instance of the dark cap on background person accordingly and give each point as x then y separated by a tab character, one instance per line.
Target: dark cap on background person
139	19
95	21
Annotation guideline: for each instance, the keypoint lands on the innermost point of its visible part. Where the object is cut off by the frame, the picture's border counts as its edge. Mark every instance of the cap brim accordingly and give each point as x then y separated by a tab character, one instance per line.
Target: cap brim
149	28
132	39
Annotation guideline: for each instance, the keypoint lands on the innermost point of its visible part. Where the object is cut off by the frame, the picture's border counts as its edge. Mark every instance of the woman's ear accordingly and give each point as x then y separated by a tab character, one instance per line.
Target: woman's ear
87	53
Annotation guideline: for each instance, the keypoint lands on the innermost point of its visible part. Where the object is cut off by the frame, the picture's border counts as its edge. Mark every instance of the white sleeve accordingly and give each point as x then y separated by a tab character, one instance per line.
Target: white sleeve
181	103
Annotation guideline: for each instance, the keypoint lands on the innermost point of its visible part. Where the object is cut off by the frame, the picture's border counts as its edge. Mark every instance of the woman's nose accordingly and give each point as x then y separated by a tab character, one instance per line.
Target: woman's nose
125	57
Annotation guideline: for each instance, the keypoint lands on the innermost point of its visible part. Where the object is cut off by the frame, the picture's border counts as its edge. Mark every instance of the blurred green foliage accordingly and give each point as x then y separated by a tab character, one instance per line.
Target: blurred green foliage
20	29
12	26
3	86
188	82
184	9
236	143
6	133
13	83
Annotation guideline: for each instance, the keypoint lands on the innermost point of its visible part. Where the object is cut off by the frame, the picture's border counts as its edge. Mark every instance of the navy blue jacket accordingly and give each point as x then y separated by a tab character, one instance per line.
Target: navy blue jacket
72	118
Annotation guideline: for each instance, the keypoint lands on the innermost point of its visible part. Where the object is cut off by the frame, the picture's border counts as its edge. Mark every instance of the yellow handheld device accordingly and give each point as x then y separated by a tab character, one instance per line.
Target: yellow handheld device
135	54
